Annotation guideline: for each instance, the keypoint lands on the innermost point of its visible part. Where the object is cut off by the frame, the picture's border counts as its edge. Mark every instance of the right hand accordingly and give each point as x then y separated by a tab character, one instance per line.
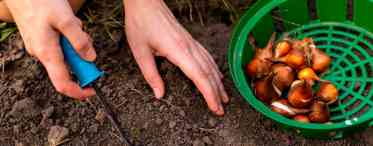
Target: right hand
40	23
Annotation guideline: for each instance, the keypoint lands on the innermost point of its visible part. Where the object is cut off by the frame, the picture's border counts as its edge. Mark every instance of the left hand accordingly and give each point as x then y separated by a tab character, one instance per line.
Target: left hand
152	30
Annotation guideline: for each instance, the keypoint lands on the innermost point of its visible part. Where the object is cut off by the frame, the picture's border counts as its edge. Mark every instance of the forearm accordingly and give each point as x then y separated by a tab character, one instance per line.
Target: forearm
130	5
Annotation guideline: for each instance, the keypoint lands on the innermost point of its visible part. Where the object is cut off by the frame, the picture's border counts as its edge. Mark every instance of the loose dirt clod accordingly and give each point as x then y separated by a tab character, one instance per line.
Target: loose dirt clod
172	124
100	116
212	122
17	143
158	121
18	86
198	142
207	140
25	108
93	128
182	113
57	135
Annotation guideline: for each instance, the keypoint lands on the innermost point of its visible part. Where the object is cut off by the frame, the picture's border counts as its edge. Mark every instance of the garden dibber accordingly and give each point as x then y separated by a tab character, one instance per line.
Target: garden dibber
87	73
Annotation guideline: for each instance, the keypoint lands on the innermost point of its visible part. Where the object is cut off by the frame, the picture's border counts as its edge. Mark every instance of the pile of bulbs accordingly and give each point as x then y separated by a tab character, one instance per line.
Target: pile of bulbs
284	76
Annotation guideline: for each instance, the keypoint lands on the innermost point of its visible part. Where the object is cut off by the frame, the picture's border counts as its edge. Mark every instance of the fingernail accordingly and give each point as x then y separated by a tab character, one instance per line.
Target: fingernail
157	93
220	112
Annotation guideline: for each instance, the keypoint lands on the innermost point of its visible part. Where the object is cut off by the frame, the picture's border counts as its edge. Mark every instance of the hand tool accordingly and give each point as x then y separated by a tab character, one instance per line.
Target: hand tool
87	73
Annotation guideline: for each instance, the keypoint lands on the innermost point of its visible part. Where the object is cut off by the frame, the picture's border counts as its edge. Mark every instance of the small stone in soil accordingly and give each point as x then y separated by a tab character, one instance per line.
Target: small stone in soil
198	142
212	122
146	125
57	134
223	133
236	126
17	143
162	108
172	124
34	130
16	129
75	127
24	108
93	128
18	86
182	113
207	140
100	116
158	121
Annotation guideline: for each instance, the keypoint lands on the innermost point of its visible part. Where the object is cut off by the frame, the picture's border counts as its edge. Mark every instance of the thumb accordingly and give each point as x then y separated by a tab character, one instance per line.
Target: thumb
80	40
146	61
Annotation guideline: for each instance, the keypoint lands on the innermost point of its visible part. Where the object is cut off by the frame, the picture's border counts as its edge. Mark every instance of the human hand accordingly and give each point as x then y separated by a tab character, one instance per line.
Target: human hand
41	22
152	30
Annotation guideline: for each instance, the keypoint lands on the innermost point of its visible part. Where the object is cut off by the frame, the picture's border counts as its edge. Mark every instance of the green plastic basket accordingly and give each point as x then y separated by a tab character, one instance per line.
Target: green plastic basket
348	41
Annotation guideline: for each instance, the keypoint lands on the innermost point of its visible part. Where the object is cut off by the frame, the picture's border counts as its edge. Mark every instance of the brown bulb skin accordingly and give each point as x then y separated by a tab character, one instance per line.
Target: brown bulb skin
308	75
327	93
320	112
300	94
287	113
264	90
260	65
302	118
282	48
296	59
320	60
258	68
283	77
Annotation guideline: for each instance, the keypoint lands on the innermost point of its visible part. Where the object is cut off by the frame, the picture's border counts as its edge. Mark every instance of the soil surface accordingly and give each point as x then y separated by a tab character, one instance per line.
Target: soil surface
32	112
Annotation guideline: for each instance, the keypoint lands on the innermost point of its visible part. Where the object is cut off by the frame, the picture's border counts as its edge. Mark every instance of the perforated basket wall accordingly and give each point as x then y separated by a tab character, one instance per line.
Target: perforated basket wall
342	30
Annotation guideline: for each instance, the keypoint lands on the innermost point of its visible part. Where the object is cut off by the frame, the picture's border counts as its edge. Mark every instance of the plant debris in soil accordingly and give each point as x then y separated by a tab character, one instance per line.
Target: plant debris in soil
180	118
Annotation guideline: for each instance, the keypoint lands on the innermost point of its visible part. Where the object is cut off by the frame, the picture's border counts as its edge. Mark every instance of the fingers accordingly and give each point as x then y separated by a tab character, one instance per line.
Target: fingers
209	57
146	62
50	55
189	65
213	67
71	27
207	68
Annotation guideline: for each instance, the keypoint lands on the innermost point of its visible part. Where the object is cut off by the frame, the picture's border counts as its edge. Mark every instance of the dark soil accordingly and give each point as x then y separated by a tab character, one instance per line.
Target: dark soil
30	107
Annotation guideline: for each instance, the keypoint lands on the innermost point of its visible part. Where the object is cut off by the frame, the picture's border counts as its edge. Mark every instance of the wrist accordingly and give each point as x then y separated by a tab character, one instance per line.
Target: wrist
140	4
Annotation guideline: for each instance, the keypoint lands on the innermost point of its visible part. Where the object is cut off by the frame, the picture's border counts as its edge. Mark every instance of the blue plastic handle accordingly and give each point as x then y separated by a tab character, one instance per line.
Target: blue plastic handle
85	71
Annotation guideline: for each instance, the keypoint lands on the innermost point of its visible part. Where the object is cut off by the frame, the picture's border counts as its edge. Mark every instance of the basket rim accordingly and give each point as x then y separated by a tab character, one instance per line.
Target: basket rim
237	43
